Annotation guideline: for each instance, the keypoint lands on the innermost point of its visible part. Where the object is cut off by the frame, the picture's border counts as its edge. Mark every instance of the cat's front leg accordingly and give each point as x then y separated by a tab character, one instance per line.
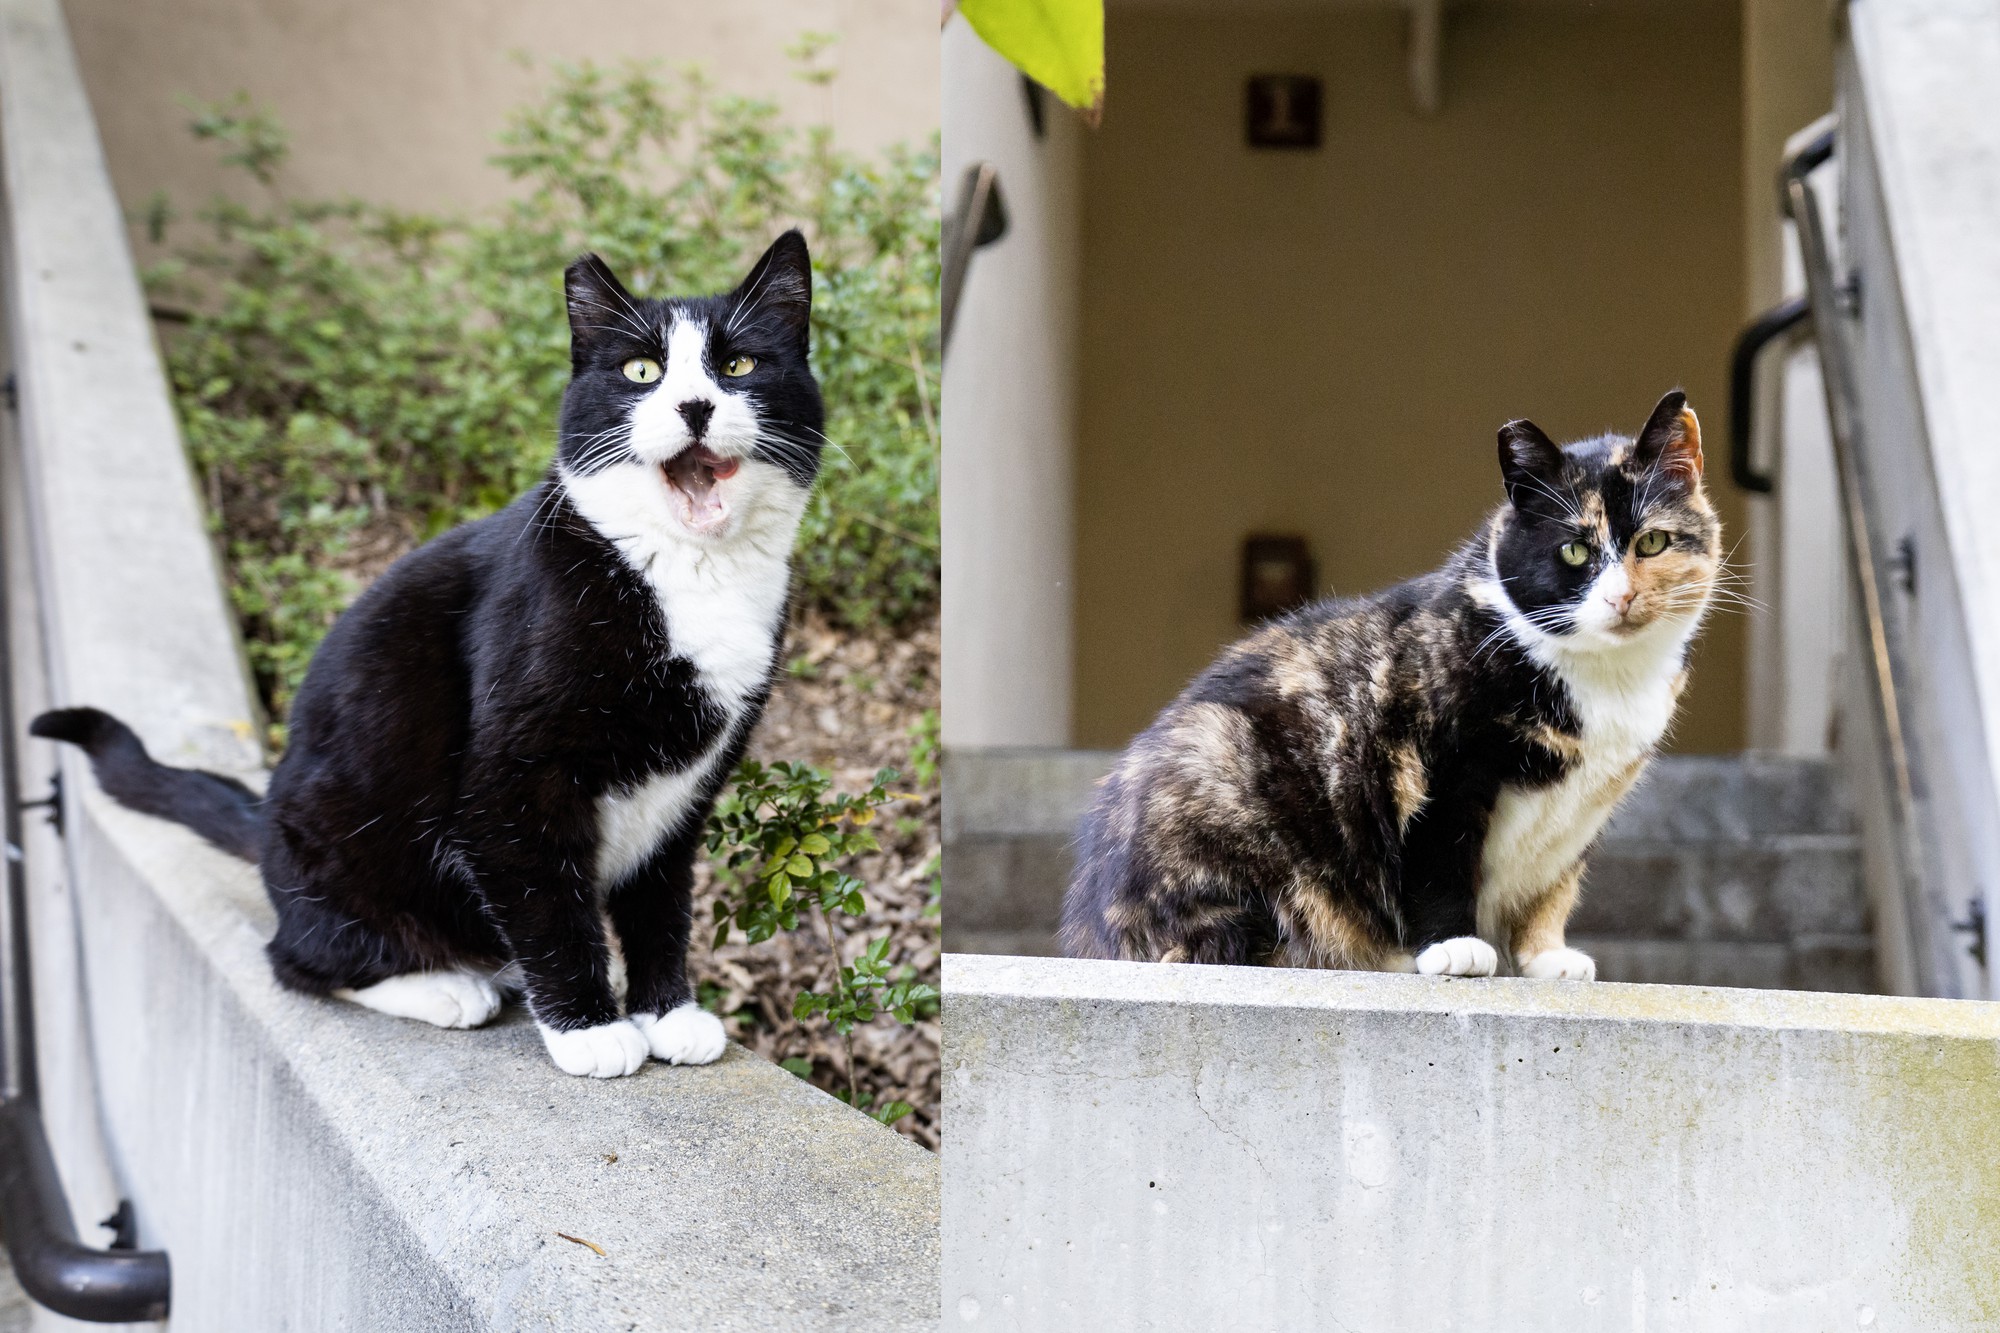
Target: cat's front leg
1538	940
1447	942
542	899
652	912
1439	883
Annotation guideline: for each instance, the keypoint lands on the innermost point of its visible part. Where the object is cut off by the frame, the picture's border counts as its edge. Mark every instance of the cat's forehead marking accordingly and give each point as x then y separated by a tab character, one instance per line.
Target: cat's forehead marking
685	375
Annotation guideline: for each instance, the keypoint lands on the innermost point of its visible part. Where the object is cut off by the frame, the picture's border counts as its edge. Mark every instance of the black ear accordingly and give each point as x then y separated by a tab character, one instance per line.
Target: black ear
780	285
1530	464
1671	439
599	306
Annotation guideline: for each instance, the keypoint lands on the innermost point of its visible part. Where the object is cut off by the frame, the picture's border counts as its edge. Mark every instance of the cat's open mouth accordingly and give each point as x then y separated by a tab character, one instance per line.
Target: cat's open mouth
691	476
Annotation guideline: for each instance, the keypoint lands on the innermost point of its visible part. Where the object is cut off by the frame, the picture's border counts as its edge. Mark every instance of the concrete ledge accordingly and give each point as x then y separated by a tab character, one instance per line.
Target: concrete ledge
314	1165
1145	1146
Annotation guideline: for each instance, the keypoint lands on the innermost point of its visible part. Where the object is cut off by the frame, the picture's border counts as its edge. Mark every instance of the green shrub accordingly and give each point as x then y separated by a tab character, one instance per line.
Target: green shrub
779	843
352	379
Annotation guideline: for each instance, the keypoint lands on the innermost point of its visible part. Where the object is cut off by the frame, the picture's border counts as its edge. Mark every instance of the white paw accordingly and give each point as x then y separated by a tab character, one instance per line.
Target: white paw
1560	965
609	1050
689	1035
1464	956
446	999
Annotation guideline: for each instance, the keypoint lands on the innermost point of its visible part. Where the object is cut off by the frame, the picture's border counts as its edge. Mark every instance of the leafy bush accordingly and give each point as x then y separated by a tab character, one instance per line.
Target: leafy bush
353	379
783	842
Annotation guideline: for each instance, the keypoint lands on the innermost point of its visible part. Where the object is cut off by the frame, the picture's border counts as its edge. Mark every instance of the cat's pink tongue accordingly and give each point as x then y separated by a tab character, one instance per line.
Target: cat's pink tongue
692	474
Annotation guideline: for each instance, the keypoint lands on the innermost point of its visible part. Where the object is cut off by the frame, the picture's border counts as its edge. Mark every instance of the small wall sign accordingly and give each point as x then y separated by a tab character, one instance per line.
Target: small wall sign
1278	576
1282	111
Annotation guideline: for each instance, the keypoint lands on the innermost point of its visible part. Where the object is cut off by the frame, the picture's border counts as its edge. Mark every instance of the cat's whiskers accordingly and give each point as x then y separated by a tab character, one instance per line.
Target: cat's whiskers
626	301
636	326
1571	506
786	447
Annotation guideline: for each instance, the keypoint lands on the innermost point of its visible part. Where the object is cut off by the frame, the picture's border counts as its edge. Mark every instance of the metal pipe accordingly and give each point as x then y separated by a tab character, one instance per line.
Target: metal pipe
51	1263
1866	548
1773	324
979	218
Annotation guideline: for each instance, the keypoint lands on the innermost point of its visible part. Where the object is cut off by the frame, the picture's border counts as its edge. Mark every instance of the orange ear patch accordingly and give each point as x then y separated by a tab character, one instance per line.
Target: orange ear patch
1684	449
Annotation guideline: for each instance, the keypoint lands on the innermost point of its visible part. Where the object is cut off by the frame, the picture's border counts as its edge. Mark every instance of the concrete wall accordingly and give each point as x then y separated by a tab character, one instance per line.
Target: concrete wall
400	103
309	1164
1009	415
1787	73
1159	1147
1919	187
1792	550
1324	343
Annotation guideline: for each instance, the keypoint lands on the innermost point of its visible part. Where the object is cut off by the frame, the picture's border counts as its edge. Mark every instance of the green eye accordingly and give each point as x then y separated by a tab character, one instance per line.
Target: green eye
1652	542
737	366
641	370
1574	553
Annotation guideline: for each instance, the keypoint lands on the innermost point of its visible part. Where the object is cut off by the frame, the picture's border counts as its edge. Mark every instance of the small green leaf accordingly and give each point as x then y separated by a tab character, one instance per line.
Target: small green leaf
1057	43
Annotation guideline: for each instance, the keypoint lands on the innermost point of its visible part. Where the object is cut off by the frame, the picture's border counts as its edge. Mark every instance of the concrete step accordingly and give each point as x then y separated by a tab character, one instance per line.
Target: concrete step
1819	963
1738	870
1765	889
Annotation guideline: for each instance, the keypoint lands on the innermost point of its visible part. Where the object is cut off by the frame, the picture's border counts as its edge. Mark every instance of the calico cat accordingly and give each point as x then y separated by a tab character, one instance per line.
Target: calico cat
519	730
1402	781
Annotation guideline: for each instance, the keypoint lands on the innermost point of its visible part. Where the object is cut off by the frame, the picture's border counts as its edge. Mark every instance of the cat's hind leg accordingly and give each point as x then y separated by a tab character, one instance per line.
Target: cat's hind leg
448	999
1537	937
323	948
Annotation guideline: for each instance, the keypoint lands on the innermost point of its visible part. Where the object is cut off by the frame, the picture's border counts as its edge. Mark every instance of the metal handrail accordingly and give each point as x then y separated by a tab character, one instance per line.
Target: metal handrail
979	218
117	1286
1760	333
1866	548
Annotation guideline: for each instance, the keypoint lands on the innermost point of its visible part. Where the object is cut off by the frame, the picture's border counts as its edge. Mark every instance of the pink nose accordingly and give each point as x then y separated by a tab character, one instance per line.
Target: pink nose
1621	603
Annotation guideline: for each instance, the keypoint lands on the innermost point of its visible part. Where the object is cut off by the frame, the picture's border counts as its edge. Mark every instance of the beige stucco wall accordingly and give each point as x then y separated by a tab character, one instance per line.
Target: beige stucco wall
1787	83
399	102
1325	342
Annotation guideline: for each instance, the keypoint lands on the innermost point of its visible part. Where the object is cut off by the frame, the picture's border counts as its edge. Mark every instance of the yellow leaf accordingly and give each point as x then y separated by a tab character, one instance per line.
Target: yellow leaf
862	818
1057	43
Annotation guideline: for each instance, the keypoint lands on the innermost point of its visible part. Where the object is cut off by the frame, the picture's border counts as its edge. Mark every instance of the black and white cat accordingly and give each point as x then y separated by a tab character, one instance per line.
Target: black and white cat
519	730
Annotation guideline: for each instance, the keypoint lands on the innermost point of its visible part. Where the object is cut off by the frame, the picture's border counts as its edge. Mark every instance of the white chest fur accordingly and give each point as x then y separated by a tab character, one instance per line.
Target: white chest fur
1624	701
724	603
632	823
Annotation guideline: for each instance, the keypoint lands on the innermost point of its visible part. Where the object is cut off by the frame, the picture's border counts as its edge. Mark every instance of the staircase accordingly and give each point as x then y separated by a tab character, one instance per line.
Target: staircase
1736	870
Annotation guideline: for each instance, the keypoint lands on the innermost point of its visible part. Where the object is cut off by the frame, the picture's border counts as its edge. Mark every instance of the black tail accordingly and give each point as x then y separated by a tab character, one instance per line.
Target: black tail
220	809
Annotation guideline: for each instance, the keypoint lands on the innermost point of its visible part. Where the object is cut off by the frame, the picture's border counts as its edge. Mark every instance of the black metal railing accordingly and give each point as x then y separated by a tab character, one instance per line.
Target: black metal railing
1830	309
121	1285
1770	327
978	218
